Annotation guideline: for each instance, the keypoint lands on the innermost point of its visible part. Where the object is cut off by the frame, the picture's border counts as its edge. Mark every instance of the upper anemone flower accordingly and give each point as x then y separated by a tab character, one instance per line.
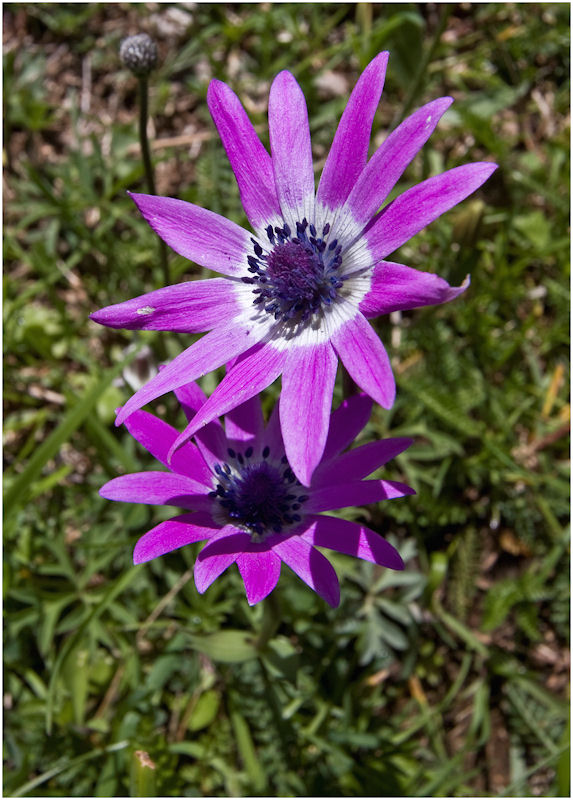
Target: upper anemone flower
298	292
243	497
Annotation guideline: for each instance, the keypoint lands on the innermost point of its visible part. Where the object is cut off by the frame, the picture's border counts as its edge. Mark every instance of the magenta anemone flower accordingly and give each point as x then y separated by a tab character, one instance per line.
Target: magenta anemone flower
298	292
243	497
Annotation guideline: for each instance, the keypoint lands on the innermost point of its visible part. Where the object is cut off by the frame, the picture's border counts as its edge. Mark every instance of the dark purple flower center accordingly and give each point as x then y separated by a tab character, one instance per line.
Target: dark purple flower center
300	275
256	494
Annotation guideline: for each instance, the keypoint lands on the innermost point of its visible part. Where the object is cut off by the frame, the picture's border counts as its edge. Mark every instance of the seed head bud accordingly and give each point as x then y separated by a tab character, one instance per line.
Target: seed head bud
139	54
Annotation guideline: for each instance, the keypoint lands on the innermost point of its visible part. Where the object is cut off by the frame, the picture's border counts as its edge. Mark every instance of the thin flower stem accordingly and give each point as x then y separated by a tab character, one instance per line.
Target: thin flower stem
148	166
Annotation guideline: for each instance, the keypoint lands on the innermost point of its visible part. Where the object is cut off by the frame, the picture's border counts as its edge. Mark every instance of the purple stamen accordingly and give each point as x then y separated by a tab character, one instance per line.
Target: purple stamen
257	497
299	276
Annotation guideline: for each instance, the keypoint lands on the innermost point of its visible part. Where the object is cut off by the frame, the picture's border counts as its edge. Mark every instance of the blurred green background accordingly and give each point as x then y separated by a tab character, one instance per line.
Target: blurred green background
451	678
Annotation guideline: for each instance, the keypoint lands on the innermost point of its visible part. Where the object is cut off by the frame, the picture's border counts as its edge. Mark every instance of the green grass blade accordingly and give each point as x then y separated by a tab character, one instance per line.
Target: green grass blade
67	764
74	418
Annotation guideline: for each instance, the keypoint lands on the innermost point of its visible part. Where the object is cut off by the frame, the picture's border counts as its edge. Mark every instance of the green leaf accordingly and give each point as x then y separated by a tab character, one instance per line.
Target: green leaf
114	590
563	769
230	647
248	753
282	658
75	417
535	227
65	764
205	710
142	775
75	673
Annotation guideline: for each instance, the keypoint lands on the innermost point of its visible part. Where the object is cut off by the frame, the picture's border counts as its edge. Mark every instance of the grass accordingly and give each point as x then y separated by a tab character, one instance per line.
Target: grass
450	678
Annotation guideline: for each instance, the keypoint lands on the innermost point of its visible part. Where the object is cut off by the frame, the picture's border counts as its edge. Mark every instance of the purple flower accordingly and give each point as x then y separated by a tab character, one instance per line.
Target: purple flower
298	293
244	498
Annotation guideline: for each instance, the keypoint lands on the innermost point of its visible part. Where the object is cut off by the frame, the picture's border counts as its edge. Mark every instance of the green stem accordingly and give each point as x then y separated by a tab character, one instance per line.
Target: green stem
148	166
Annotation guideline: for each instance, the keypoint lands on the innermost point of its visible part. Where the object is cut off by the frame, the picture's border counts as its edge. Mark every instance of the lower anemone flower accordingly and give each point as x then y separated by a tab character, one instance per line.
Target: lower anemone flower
298	293
243	497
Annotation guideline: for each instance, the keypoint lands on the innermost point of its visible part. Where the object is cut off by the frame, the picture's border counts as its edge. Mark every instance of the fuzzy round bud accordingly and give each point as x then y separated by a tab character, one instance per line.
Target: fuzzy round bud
139	54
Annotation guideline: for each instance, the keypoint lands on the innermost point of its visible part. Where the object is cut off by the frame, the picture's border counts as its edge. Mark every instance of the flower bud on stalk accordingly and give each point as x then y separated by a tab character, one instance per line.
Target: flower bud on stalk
139	54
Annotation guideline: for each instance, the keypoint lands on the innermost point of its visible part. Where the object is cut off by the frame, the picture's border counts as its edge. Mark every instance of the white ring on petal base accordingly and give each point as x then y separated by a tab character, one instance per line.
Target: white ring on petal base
261	230
317	329
343	226
357	263
358	260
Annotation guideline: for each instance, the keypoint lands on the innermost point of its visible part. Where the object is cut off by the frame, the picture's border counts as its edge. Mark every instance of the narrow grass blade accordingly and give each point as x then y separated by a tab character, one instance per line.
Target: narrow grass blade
74	418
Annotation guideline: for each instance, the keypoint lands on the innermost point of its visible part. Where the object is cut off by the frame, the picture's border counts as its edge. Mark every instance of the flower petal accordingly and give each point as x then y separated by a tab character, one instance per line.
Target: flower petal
391	159
210	439
216	347
355	493
173	534
360	462
252	373
349	151
352	539
155	488
346	422
191	396
396	287
157	437
305	401
250	161
310	565
272	437
291	149
245	423
414	209
197	234
260	571
366	360
215	557
185	307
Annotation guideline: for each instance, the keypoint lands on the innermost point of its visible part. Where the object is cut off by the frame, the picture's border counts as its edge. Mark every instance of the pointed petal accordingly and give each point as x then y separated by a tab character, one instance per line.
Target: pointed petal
355	493
305	401
396	287
155	488
185	307
272	437
231	540
422	204
211	440
157	437
291	150
366	360
197	234
191	396
346	422
360	462
173	534
214	558
260	571
258	369
310	565
349	151
250	161
391	159
216	347
245	423
354	540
